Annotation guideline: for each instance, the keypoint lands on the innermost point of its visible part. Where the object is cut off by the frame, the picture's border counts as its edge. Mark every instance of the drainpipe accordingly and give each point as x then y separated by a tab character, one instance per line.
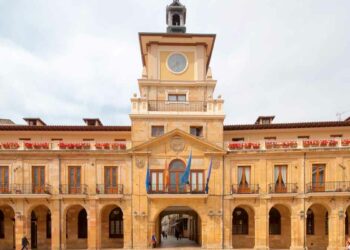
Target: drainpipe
222	203
131	192
59	202
305	217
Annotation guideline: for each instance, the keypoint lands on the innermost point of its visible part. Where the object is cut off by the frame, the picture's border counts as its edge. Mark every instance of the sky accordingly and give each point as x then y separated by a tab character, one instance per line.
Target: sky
66	60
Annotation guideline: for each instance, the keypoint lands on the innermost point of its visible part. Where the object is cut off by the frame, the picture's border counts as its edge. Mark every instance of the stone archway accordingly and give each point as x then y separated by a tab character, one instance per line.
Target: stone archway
76	227
279	227
7	227
243	227
39	227
180	222
347	223
317	227
112	227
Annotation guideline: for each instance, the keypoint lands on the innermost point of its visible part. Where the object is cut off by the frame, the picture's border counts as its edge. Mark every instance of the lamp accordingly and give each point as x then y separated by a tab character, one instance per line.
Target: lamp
341	213
302	214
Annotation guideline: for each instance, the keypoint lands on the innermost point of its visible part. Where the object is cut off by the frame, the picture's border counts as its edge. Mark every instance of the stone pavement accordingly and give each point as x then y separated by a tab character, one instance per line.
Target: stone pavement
172	243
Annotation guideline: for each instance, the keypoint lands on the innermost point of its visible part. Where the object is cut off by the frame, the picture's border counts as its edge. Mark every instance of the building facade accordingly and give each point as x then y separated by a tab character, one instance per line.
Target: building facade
272	186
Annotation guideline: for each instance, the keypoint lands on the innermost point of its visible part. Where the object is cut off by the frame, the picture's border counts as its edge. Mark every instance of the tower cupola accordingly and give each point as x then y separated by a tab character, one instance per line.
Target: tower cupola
176	17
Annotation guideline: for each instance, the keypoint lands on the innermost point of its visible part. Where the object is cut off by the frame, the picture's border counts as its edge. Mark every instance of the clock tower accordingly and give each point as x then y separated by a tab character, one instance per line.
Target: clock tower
176	87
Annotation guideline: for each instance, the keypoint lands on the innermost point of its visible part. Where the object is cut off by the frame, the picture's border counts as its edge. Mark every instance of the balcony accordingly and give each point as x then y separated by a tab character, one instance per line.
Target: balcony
102	189
14	190
144	106
330	186
173	191
65	146
288	145
73	190
282	189
245	189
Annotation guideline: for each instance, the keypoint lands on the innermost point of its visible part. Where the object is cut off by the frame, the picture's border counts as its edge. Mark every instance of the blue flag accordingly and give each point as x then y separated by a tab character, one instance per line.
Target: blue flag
186	175
208	178
148	178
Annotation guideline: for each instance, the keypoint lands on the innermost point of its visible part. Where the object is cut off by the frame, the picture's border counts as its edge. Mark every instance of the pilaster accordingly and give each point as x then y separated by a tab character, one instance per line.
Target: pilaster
55	225
92	225
261	227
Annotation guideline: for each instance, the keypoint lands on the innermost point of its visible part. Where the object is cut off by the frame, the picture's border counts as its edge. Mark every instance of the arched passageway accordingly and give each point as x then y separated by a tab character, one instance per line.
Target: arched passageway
112	227
76	227
279	227
347	224
39	227
317	227
243	227
7	227
178	226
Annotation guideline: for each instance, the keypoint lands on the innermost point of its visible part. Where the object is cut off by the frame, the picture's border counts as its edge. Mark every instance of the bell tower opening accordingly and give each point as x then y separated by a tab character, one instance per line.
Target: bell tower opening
176	17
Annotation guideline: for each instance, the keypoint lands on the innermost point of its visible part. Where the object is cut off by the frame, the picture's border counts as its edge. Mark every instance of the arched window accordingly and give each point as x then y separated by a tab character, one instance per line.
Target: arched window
177	165
310	222
274	221
116	223
326	224
2	225
48	225
176	20
82	224
240	221
346	223
176	170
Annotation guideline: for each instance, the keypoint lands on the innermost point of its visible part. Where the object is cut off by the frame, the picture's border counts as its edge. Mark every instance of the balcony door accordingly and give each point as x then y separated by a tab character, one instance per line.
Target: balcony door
280	178
157	179
111	180
244	179
38	179
4	179
318	177
74	180
176	169
197	181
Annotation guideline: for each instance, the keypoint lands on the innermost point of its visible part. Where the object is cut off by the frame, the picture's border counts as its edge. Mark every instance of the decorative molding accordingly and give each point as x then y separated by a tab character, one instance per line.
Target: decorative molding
177	144
140	162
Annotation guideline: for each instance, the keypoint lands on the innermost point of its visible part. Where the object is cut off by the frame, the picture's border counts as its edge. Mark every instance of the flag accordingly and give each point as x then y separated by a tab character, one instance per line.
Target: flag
148	178
208	177
186	175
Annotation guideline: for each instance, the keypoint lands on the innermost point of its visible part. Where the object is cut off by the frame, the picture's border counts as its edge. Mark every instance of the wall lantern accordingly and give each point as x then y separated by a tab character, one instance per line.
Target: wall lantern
341	213
302	214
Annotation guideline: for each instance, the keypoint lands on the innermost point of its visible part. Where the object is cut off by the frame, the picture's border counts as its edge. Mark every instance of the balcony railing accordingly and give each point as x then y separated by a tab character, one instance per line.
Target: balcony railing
245	189
329	186
66	145
103	189
74	189
25	189
177	189
192	106
287	144
283	188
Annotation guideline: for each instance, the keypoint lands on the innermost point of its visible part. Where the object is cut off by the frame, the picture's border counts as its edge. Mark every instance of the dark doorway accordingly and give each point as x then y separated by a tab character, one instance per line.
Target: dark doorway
34	231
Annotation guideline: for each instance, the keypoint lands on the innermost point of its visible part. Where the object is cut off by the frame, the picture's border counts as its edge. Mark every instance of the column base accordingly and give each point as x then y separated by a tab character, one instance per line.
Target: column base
298	248
261	248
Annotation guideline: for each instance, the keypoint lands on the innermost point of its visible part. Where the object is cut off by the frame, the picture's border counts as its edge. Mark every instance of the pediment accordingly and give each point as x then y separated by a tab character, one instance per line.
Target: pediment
177	141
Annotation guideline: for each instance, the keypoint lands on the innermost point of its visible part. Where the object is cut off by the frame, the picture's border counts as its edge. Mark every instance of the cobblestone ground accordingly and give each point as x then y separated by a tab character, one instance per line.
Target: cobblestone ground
172	243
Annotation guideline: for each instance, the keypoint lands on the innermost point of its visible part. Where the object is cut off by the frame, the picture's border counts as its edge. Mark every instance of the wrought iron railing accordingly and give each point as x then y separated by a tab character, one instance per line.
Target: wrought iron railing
191	106
25	189
176	189
73	189
283	188
245	189
113	189
329	186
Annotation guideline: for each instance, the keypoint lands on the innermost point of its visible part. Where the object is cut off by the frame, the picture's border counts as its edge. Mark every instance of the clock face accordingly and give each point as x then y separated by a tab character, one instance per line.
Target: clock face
177	63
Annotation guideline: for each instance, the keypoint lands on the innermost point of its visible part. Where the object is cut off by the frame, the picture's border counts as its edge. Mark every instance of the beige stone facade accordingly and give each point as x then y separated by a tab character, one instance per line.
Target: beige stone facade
272	186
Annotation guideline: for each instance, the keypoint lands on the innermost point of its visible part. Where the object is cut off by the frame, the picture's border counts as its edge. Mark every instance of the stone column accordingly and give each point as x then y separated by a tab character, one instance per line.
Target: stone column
341	230
92	225
227	224
261	227
336	230
55	225
19	229
127	220
298	218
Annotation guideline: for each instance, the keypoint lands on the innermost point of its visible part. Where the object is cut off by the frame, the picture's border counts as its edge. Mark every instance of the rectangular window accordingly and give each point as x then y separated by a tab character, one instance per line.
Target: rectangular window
157	180
88	139
318	177
38	179
303	137
157	131
24	139
280	178
196	130
270	138
238	139
56	139
4	179
243	179
197	181
111	180
336	136
177	97
74	180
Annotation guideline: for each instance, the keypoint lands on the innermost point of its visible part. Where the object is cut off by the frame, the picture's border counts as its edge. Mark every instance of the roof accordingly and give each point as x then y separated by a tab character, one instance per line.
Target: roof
63	128
6	122
323	124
